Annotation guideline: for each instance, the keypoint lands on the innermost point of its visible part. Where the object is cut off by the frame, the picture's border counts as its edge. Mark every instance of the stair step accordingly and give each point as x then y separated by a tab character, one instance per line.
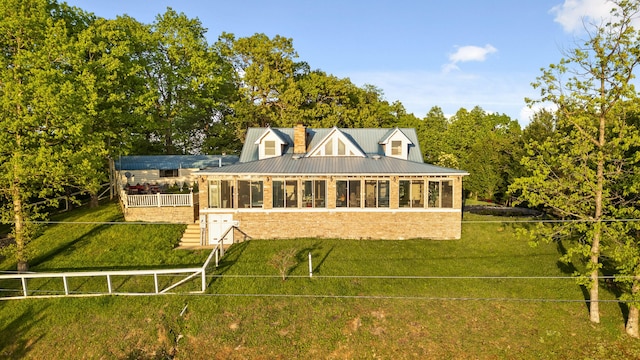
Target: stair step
190	237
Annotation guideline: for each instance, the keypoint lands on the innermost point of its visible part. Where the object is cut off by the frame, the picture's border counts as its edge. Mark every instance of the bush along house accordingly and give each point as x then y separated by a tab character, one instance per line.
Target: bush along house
331	183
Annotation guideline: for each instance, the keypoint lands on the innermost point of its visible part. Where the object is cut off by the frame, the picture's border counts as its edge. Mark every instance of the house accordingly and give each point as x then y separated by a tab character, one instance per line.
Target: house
331	183
163	187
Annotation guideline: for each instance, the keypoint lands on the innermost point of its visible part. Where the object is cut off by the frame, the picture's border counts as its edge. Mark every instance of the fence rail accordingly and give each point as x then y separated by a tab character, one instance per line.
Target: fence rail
157	200
109	275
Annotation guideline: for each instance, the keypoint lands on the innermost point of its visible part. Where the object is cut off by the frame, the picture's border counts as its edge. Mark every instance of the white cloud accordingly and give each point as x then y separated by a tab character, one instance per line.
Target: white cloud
573	14
468	53
471	53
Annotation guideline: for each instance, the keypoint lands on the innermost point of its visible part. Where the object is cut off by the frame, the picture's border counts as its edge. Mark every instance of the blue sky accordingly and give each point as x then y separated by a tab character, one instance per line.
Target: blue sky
424	53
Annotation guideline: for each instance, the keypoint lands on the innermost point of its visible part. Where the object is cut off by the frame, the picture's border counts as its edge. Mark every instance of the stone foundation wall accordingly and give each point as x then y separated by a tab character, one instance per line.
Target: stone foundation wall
178	214
350	224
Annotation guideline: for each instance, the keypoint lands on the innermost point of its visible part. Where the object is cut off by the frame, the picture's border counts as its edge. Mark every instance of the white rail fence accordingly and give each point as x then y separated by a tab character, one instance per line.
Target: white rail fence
109	277
157	200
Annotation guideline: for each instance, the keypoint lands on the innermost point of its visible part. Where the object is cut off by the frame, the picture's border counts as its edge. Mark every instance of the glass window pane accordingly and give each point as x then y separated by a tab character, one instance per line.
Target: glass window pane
354	193
256	194
341	193
434	194
307	193
226	194
370	190
244	194
320	193
447	194
404	189
278	193
270	148
328	148
396	147
417	193
341	147
383	193
214	194
291	191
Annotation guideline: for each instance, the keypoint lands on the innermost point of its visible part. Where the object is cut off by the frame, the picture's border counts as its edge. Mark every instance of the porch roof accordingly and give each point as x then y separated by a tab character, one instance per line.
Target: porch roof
168	162
290	164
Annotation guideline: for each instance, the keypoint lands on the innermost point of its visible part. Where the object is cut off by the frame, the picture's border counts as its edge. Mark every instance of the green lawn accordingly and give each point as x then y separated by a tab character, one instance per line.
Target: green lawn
366	299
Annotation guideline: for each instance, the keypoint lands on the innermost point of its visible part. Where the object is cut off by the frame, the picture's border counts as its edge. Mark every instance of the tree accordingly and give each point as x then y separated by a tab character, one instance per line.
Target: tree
47	102
188	84
265	71
577	172
432	135
485	144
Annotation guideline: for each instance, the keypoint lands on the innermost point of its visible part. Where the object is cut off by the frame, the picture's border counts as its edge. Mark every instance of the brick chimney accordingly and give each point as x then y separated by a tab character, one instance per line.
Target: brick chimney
299	139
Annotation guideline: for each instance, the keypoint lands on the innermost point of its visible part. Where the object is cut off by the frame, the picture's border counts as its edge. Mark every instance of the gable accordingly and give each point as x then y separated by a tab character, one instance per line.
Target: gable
336	143
396	144
270	144
367	141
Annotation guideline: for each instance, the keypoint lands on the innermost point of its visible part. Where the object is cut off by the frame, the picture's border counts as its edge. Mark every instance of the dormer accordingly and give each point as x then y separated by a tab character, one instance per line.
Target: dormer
270	144
396	144
336	143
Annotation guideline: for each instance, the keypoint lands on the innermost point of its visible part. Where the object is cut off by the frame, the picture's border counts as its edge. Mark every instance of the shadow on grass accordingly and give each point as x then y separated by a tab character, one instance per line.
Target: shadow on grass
38	260
231	256
609	271
570	269
302	257
14	341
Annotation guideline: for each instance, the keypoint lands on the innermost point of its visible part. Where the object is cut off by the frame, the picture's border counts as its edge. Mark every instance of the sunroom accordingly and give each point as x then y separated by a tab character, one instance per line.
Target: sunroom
334	183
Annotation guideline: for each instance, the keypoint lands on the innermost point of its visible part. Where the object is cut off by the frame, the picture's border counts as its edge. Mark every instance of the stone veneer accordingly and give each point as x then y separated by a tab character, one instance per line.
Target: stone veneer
396	225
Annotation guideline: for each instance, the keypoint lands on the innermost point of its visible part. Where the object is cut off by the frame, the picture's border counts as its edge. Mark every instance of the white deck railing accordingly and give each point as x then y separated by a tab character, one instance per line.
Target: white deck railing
157	200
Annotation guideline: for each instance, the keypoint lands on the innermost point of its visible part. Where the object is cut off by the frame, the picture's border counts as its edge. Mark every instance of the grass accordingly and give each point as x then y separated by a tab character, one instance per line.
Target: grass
358	304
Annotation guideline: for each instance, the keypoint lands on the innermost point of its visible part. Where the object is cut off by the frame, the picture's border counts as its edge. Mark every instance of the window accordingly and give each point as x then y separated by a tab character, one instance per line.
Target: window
314	193
348	193
249	194
328	148
169	173
404	190
441	194
376	193
270	148
221	194
341	147
396	148
285	193
411	193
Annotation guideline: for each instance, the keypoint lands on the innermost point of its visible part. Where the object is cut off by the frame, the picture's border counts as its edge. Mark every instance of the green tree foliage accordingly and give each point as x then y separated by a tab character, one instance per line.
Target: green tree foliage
486	145
48	101
581	172
188	84
265	71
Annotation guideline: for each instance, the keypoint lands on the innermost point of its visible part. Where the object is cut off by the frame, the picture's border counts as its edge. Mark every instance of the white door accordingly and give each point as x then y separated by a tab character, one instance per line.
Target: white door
217	225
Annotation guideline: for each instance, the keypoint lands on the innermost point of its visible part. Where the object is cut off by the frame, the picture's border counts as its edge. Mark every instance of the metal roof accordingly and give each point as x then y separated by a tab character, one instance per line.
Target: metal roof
366	139
290	164
168	162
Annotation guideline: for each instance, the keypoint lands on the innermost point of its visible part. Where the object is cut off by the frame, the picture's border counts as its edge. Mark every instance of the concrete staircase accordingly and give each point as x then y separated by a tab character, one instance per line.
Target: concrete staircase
191	237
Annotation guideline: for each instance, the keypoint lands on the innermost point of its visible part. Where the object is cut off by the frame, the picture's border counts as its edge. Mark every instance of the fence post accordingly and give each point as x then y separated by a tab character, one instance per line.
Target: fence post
66	286
24	286
158	198
109	283
310	266
155	281
204	280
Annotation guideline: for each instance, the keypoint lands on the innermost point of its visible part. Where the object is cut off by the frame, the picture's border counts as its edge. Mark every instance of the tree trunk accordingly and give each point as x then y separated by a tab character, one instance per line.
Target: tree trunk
18	218
94	202
594	308
632	327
